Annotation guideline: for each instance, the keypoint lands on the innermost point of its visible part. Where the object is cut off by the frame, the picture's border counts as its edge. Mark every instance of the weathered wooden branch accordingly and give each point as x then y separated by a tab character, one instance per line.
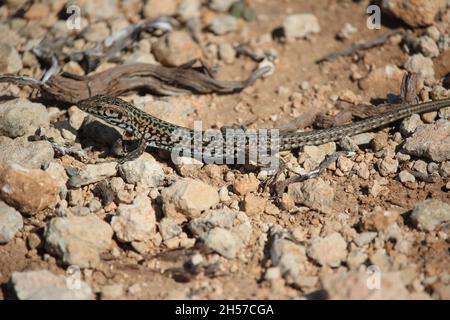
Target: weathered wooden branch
156	79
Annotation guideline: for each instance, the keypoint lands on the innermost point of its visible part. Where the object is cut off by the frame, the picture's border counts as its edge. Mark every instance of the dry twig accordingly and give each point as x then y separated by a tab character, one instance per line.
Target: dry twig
131	77
358	46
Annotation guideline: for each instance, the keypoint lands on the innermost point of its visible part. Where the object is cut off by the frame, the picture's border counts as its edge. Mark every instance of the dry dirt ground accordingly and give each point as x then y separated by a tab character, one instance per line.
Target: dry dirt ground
269	103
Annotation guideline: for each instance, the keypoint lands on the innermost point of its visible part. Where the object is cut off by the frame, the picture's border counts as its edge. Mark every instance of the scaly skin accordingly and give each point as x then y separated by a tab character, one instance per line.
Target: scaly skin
151	131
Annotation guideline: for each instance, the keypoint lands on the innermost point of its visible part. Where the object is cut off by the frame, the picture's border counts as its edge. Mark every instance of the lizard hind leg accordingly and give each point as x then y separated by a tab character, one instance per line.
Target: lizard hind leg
280	186
271	181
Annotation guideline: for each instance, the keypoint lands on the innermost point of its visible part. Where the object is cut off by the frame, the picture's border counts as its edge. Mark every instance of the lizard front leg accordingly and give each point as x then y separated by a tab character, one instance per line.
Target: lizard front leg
136	153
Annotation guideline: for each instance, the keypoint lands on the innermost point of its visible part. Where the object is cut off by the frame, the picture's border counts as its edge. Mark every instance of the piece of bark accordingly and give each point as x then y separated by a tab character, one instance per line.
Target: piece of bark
116	81
408	90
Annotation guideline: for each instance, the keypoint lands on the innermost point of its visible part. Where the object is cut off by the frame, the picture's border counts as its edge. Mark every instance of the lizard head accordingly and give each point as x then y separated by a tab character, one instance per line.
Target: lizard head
110	109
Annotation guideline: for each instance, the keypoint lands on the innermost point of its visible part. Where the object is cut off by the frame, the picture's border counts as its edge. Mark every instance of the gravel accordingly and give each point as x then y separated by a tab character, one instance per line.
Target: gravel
145	170
223	25
216	218
187	198
444	169
33	241
10	222
176	48
44	285
444	113
221	5
410	124
227	53
32	155
21	117
300	25
388	166
11	61
355	258
135	222
346	32
92	173
96	32
428	47
27	190
364	238
189	9
313	193
430	141
245	184
154	8
254	205
272	273
429	214
78	240
406	177
354	285
101	9
420	166
313	157
112	292
223	242
414	12
421	65
219	231
433	32
345	164
328	251
169	228
56	170
363	138
289	257
379	219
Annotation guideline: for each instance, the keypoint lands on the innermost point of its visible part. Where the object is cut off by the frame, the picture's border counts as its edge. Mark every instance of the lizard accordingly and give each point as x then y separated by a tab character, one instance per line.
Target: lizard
155	132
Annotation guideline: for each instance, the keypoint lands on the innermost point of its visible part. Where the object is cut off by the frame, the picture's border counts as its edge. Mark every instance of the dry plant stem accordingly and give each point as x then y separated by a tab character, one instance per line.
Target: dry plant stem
22	81
358	46
131	77
63	150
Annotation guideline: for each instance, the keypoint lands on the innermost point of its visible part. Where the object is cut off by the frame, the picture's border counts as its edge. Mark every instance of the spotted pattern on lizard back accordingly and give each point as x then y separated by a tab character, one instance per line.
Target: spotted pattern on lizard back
158	133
